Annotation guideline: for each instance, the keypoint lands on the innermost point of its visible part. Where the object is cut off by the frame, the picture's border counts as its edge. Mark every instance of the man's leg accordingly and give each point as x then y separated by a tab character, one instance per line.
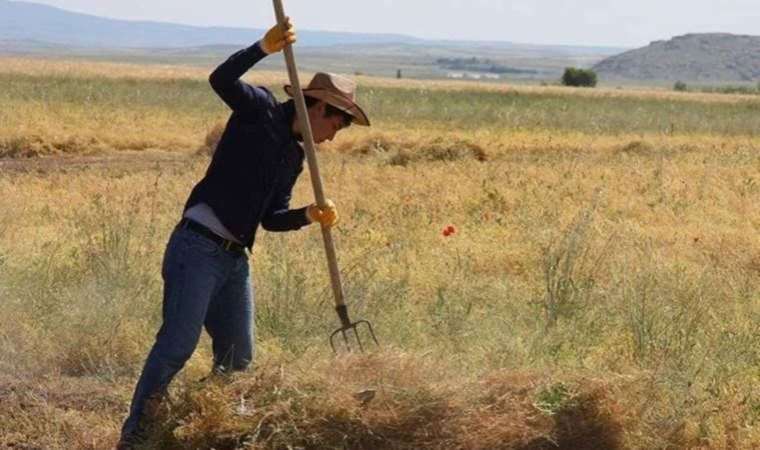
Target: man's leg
229	321
191	271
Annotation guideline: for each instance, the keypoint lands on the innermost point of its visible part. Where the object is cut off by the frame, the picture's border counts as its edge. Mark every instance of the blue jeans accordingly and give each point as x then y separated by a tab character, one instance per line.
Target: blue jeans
204	286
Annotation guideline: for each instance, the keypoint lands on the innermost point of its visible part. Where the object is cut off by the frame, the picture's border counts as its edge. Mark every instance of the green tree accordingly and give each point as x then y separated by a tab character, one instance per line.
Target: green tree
579	77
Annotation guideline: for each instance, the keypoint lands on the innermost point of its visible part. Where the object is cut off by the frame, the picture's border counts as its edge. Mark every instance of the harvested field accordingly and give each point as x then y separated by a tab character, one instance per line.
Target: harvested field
602	288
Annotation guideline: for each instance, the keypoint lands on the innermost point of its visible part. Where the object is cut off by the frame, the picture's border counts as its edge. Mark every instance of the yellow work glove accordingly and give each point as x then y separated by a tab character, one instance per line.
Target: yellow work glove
278	36
327	217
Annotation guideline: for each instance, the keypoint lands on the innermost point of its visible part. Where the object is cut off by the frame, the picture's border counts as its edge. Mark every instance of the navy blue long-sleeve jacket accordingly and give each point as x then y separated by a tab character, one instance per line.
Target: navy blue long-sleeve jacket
258	159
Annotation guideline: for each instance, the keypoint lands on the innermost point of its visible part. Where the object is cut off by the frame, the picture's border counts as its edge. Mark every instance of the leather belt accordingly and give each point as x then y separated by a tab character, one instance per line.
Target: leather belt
207	233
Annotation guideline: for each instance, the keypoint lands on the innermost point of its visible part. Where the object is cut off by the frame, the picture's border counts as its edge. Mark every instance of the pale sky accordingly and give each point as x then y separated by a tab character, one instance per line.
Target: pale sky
629	23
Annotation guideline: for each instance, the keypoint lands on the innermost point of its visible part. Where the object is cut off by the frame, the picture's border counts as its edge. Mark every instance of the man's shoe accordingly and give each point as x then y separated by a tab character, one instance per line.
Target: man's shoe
128	443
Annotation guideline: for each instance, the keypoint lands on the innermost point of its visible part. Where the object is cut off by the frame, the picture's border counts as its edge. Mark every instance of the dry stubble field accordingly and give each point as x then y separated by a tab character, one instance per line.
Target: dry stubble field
602	289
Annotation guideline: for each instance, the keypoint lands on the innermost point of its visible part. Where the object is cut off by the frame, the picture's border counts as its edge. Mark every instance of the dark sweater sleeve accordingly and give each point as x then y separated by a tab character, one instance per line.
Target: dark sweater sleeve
237	94
279	216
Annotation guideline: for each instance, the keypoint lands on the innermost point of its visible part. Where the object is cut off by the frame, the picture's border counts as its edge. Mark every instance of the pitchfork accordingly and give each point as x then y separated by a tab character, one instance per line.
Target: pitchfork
346	325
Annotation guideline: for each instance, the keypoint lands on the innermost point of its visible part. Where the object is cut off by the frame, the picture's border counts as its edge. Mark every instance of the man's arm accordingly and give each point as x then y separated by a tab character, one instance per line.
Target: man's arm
279	216
237	94
225	80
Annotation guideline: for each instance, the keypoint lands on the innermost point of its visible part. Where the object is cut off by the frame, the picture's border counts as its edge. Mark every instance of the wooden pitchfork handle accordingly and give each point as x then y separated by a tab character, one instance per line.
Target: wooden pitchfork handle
316	180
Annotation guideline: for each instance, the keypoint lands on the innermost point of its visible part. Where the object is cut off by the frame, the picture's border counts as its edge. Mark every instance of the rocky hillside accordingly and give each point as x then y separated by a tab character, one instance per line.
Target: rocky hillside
715	57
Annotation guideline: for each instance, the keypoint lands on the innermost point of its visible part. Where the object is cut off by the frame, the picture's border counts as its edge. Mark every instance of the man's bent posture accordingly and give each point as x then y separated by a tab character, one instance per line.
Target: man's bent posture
207	282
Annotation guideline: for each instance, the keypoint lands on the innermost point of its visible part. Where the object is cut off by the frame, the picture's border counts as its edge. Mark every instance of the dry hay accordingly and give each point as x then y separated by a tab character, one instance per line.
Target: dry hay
402	152
416	406
31	146
388	149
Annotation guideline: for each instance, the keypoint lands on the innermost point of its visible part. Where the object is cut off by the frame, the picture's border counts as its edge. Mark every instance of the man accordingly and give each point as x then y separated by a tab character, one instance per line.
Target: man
248	182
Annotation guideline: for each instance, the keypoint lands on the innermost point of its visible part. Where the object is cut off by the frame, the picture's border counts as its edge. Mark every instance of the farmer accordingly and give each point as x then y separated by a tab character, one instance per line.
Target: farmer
207	281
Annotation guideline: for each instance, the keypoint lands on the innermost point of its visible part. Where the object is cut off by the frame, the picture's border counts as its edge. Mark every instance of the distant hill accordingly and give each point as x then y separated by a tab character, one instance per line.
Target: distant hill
711	57
31	29
35	23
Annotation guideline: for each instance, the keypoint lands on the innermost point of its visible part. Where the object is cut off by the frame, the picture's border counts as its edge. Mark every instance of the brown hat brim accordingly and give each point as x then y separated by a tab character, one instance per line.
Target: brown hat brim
342	103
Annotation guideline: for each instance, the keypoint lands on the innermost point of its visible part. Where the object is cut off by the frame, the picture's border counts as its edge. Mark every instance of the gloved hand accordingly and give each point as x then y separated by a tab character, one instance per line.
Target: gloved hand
278	36
327	217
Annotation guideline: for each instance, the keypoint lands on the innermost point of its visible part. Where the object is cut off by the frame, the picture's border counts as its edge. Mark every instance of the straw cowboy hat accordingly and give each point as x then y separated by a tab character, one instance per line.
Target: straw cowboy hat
337	91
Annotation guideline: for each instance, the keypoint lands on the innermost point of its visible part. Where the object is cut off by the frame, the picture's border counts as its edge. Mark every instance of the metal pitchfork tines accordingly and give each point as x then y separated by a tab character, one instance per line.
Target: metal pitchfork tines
316	181
347	325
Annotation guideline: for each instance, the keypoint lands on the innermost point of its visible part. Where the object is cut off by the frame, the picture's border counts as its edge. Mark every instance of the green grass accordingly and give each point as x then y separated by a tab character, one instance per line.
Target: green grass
194	101
181	95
